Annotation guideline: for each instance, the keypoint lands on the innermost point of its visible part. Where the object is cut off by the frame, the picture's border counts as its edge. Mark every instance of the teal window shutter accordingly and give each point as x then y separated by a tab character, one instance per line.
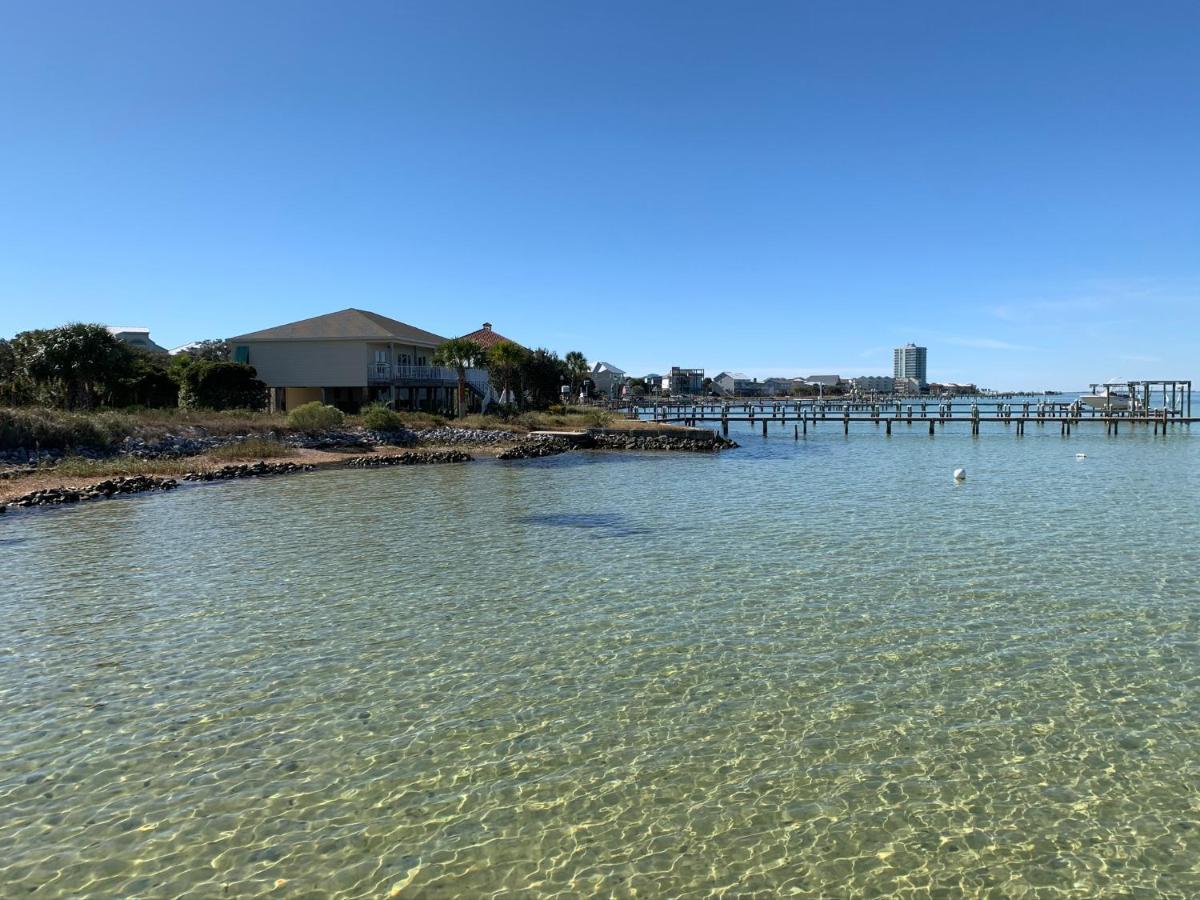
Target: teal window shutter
241	354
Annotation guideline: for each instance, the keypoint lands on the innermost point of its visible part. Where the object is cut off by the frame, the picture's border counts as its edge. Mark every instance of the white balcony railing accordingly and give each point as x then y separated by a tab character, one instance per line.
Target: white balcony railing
386	373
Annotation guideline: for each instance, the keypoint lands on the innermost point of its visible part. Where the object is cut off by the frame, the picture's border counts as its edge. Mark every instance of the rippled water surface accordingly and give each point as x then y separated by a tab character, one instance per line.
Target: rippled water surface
814	667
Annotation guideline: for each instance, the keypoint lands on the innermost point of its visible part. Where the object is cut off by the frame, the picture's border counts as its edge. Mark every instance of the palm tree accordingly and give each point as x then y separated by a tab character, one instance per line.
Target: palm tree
503	362
577	369
458	354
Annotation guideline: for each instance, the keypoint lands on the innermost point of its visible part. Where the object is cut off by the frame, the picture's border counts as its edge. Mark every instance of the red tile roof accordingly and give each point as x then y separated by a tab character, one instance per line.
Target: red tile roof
486	338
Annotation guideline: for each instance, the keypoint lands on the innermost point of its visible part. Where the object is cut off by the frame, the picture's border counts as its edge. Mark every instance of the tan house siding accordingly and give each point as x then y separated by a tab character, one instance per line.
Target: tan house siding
310	363
295	396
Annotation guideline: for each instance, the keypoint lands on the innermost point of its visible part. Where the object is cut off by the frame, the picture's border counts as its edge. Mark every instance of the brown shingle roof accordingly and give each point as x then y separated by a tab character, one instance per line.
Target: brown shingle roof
346	325
486	338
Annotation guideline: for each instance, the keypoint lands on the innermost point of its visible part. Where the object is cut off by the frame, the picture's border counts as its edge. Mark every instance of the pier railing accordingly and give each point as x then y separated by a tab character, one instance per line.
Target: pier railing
804	413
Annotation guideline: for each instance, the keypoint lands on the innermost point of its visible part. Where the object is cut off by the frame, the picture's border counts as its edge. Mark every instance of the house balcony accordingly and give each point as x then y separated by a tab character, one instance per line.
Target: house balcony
423	376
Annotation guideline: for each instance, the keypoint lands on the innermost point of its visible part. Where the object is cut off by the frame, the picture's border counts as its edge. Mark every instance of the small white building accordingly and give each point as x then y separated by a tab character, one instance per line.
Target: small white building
608	380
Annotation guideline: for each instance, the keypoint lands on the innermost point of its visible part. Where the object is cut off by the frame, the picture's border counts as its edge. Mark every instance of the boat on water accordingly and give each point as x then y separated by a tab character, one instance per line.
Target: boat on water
1112	397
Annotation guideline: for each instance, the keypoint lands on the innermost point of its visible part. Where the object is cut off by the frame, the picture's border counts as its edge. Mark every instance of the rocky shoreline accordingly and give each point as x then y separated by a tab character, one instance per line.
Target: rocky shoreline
409	458
195	443
515	447
550	445
248	470
536	448
101	490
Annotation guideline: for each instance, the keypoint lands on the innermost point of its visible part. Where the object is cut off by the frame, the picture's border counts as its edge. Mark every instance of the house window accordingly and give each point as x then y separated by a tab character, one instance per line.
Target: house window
241	354
381	357
420	360
403	359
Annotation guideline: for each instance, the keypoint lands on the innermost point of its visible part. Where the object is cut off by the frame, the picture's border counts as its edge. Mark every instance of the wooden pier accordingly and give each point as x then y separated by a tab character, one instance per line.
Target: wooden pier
805	413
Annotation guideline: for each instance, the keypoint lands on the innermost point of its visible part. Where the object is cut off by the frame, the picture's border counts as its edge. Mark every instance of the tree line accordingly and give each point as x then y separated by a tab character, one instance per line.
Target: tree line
82	366
524	379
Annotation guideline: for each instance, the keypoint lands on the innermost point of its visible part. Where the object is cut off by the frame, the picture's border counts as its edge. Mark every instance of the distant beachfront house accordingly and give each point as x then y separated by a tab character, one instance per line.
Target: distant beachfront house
651	382
781	387
873	384
735	384
683	382
350	358
828	381
135	336
953	388
608	380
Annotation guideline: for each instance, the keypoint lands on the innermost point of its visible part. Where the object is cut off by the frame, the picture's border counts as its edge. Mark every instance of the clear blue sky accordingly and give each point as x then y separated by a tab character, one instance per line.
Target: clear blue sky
784	188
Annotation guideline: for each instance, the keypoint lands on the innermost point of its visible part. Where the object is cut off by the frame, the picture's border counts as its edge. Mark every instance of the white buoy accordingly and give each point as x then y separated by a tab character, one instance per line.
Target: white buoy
960	474
1081	456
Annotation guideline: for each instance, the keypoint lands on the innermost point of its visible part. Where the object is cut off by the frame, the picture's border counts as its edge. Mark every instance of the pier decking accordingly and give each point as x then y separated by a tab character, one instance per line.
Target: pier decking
804	413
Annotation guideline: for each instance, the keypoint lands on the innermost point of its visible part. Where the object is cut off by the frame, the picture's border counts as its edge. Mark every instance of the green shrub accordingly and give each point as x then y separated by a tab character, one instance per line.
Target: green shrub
204	384
378	417
315	416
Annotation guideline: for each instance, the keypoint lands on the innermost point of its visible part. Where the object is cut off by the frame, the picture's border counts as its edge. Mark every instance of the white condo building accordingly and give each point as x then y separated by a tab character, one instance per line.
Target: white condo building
909	362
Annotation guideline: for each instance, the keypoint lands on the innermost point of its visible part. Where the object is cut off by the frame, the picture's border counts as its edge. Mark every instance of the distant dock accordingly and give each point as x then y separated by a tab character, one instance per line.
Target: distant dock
801	414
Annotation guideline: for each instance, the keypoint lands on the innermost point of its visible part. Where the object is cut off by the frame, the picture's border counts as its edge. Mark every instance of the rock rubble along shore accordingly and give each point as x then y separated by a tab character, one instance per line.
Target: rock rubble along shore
685	442
445	435
249	470
174	446
481	437
195	442
30	456
410	458
536	448
333	440
101	490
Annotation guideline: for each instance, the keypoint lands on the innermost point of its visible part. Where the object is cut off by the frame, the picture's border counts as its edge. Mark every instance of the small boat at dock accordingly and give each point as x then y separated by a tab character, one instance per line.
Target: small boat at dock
1107	397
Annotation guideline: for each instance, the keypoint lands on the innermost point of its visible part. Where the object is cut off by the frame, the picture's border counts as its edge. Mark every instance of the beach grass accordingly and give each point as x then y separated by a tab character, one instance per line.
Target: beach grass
81	467
251	448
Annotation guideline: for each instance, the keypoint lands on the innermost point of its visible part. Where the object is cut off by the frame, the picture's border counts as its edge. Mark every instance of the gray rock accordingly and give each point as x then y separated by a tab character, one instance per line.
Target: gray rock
409	458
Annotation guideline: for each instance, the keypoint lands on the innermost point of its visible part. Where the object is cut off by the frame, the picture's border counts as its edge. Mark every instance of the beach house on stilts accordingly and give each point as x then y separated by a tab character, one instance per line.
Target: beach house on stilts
354	357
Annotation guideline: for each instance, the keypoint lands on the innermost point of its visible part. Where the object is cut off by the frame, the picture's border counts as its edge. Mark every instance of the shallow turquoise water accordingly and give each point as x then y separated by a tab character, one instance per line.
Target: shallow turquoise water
815	667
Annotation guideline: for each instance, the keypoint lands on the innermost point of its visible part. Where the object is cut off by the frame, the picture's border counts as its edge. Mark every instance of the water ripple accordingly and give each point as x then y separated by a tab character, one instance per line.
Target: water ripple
813	668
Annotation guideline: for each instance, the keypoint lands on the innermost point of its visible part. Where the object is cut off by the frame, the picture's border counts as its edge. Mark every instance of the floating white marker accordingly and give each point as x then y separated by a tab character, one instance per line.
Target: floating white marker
960	474
1081	456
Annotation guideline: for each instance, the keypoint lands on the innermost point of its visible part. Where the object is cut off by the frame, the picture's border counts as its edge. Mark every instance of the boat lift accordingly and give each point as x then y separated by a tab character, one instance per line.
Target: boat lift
1176	394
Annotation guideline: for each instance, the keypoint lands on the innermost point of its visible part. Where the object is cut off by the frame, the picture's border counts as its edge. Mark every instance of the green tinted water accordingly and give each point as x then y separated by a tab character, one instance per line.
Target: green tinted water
818	668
